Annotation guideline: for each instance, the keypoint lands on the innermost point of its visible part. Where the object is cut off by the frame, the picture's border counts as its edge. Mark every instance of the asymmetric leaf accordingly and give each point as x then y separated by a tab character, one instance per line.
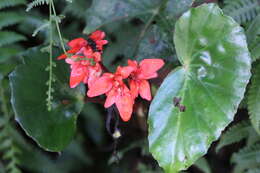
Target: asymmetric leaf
198	100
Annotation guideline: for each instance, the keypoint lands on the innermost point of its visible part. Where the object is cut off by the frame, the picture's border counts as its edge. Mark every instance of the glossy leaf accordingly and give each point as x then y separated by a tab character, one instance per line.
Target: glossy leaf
210	85
103	12
253	99
52	130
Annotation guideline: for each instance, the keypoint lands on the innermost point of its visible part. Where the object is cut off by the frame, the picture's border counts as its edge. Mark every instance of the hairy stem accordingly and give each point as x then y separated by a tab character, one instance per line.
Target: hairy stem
49	98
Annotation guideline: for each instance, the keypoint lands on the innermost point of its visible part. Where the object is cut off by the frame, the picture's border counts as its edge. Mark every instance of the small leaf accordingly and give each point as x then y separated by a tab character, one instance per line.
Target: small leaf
210	84
53	129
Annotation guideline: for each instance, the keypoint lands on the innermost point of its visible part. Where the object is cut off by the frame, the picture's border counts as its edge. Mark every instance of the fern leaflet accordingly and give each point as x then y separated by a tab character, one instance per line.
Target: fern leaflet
9	37
253	38
36	3
9	18
10	3
253	99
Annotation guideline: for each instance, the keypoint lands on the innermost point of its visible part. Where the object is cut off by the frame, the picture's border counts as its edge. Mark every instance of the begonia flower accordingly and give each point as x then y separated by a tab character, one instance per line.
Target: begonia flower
116	91
147	69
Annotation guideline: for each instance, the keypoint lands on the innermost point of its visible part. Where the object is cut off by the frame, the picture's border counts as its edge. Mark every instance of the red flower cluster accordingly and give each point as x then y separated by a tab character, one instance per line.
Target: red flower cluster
85	67
85	58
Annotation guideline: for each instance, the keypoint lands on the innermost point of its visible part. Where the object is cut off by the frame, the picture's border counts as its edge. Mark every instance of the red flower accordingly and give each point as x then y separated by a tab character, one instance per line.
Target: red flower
97	37
75	46
117	92
94	44
83	70
147	69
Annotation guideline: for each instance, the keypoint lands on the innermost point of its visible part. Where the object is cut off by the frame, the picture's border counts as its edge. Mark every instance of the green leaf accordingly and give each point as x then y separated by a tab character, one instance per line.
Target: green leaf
9	37
52	130
253	99
211	83
8	52
103	12
36	3
11	3
10	18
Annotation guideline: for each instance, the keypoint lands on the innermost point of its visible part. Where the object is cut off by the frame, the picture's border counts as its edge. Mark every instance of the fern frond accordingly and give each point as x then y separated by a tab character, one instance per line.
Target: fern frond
253	99
8	37
242	10
246	158
234	134
253	38
11	3
10	18
36	3
7	147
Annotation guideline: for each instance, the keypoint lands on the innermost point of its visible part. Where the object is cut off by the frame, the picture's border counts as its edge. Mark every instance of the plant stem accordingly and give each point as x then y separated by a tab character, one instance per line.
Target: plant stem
50	62
58	28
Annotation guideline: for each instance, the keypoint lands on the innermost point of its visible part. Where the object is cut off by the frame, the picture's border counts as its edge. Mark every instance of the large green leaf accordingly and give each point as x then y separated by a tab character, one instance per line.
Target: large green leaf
52	130
211	83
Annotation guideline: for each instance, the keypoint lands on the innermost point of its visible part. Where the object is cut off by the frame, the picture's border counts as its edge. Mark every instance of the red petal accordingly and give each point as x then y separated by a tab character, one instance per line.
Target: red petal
77	75
124	71
78	42
132	64
63	56
97	56
124	104
94	74
100	86
134	88
71	51
111	98
149	67
144	90
97	35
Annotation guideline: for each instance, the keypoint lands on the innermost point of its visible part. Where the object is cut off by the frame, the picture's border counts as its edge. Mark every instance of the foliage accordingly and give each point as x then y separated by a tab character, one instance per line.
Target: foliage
246	157
242	10
196	94
254	95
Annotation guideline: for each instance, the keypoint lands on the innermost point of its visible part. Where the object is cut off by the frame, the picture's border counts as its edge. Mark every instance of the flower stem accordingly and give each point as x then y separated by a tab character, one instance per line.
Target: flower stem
58	28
